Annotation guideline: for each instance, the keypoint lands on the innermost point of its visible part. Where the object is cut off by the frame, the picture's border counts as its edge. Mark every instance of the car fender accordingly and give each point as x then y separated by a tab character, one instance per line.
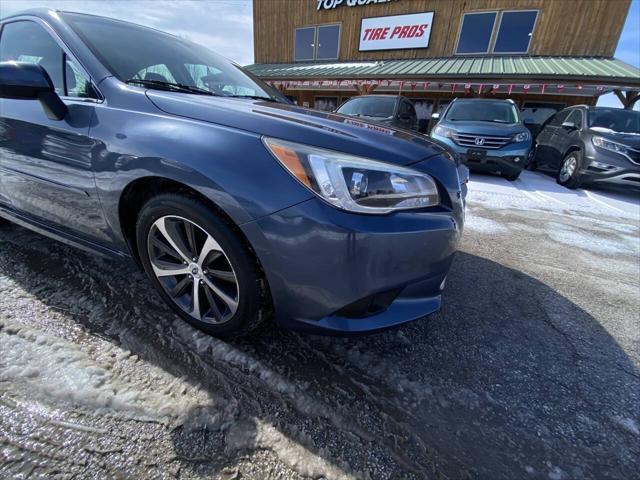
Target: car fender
211	159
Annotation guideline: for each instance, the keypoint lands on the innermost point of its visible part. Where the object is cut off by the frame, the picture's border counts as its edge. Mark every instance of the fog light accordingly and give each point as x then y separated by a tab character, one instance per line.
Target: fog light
517	159
601	165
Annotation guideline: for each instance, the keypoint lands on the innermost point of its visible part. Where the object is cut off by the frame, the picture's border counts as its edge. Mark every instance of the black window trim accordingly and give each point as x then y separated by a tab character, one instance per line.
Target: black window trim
316	31
497	22
67	55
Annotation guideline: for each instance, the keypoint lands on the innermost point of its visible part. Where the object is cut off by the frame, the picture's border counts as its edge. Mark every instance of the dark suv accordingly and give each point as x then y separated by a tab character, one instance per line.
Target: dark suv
394	110
591	145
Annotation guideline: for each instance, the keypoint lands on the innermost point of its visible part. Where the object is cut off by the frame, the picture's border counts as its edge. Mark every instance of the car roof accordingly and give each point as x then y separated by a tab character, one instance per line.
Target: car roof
483	100
386	95
41	12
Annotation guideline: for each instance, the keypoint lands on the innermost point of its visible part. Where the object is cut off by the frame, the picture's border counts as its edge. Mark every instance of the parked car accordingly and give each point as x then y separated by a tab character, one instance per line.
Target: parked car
488	135
139	145
394	110
591	145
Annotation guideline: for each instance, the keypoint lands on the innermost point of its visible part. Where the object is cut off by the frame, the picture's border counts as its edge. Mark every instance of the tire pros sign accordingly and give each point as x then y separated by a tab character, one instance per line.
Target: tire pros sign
396	32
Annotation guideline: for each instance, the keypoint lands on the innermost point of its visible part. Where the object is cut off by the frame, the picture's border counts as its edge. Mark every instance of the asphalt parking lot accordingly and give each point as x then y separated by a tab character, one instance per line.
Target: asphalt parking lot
530	370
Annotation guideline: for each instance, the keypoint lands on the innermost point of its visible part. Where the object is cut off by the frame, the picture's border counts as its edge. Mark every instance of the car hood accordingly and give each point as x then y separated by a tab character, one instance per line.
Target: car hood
351	135
629	139
486	128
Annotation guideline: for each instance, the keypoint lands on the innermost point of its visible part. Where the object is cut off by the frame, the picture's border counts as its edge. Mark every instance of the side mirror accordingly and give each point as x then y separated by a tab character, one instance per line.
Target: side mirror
569	125
28	81
435	116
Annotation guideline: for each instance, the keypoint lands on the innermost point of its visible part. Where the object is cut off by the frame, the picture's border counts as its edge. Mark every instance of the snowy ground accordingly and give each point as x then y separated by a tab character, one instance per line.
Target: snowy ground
531	369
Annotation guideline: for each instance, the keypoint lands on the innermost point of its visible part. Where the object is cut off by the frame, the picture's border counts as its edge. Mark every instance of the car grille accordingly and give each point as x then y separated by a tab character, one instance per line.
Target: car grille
480	141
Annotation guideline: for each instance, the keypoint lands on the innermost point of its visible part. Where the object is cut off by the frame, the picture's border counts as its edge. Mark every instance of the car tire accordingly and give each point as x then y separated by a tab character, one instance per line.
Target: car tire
512	177
569	172
181	243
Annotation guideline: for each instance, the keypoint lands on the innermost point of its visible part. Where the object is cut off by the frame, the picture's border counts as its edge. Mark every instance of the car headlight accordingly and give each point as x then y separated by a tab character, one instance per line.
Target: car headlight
353	183
443	131
608	145
522	136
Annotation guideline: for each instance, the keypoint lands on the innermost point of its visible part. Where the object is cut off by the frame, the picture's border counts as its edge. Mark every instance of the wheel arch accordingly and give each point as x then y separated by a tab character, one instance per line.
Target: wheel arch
572	148
139	191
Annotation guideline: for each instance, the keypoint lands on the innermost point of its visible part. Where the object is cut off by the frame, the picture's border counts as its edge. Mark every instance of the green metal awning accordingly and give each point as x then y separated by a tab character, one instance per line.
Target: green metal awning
609	71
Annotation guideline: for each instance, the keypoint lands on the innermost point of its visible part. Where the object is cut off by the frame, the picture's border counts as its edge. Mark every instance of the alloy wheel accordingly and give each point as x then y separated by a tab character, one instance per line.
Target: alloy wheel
568	168
193	269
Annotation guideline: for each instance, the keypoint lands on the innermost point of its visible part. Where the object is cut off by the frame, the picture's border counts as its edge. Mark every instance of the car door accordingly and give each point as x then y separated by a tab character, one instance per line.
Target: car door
545	150
45	164
563	136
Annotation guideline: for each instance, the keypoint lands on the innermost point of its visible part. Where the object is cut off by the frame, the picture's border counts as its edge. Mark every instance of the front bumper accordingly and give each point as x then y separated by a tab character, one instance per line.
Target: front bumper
619	170
512	158
334	272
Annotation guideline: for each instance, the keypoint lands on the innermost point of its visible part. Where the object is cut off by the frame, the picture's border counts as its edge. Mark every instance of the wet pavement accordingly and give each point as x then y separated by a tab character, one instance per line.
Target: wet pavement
530	370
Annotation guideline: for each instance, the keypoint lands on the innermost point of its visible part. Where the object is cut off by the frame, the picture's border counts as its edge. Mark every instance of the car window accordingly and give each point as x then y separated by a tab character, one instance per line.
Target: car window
407	109
26	41
159	72
575	117
615	119
382	107
497	112
76	83
559	117
131	52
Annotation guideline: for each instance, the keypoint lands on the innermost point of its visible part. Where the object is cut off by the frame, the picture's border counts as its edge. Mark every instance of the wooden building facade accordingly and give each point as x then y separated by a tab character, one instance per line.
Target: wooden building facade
550	53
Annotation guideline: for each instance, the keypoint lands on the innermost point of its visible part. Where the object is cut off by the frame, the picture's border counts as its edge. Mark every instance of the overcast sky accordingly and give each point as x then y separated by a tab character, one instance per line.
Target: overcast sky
226	26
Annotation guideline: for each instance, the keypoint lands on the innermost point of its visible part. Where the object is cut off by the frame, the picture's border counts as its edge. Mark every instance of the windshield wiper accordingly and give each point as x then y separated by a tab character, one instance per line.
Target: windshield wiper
254	97
176	87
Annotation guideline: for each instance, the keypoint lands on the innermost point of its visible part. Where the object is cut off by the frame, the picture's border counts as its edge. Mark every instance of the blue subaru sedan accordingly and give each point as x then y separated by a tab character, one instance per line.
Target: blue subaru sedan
240	207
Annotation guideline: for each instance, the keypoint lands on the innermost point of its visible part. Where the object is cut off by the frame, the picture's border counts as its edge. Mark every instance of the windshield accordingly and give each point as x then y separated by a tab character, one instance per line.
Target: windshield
151	58
615	119
380	107
498	112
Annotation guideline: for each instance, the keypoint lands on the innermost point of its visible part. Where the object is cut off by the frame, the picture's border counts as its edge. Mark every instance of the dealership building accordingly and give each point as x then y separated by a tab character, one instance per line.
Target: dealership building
543	54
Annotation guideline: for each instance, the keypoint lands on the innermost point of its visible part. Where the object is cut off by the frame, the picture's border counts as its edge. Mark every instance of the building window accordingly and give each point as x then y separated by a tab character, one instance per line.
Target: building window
515	31
496	32
305	43
476	32
328	42
317	43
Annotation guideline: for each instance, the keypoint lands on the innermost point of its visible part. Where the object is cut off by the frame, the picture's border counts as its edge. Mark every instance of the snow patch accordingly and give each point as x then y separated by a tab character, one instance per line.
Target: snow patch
54	369
538	192
483	225
611	245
